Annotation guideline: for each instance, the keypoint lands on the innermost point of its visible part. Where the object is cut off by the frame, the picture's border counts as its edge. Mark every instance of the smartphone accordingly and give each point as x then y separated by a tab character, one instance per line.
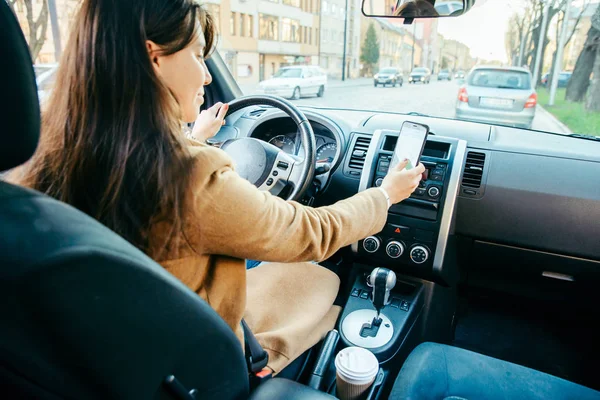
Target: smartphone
410	144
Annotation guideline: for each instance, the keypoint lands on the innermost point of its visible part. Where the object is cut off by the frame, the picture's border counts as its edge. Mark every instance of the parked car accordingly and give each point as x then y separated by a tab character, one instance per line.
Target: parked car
460	74
296	81
563	79
388	76
420	74
45	76
444	75
498	95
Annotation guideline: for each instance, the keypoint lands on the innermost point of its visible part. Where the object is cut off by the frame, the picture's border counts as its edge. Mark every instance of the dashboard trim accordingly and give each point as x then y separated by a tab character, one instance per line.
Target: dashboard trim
449	212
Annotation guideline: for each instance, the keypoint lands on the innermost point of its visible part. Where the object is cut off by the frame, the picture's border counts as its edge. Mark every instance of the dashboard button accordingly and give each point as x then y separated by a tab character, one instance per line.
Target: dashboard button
396	230
378	182
422	184
275	173
438	172
355	292
420	192
364	294
434	192
424	236
438	178
269	181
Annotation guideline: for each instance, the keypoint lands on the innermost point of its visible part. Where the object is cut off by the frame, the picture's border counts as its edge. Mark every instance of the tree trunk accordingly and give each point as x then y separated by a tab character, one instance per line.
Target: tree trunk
593	99
580	80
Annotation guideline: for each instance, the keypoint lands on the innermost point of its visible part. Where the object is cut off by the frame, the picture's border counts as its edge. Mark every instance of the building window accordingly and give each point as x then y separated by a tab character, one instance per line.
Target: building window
290	30
325	35
250	26
268	27
232	24
242	21
333	36
215	11
294	3
333	9
310	36
325	5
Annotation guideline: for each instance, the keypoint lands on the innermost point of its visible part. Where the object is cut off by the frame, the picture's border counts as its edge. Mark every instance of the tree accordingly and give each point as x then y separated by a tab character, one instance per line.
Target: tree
593	98
580	80
37	26
369	54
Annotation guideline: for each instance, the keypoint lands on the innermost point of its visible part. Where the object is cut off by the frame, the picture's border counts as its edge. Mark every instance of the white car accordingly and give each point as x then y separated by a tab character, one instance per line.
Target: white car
295	82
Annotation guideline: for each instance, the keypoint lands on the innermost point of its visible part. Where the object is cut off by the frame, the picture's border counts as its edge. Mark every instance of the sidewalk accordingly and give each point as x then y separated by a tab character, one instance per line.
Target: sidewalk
545	121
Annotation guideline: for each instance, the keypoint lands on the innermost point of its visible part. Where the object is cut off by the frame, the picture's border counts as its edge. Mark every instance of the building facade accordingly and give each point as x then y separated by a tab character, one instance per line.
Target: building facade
333	18
256	38
397	45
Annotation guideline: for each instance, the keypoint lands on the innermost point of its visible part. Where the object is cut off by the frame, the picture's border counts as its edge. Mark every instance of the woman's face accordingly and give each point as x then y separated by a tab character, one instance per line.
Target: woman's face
185	74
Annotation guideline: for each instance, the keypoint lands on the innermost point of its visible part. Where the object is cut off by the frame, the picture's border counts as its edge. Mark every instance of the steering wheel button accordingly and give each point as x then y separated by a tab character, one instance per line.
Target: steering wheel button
275	173
269	181
282	165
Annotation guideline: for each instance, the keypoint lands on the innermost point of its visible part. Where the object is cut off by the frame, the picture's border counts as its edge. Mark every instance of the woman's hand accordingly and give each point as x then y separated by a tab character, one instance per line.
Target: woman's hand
399	183
209	122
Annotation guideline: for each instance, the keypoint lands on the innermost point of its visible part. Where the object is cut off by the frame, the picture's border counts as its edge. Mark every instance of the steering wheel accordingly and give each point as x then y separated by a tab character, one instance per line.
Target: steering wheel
267	166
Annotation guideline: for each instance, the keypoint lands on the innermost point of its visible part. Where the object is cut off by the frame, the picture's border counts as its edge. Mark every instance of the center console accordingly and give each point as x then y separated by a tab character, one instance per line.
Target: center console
414	239
414	246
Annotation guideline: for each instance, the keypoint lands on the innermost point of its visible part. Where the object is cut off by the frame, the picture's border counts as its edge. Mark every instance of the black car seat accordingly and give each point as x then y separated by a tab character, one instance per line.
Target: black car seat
83	314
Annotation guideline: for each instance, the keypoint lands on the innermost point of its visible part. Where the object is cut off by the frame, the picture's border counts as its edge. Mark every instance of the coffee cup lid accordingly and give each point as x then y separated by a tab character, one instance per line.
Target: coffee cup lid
356	364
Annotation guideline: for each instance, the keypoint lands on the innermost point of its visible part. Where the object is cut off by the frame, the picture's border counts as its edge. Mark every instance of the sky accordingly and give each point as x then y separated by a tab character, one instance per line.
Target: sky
483	27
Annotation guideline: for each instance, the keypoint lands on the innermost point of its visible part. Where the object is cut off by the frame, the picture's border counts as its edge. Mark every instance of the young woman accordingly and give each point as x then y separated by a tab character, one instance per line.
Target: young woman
112	145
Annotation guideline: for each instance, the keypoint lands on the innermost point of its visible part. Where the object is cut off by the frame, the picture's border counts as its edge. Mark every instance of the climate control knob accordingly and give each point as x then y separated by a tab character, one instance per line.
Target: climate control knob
371	244
394	249
378	182
419	254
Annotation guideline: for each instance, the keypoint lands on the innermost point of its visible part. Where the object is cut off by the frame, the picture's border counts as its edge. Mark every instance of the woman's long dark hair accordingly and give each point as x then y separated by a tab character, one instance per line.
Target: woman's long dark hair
112	143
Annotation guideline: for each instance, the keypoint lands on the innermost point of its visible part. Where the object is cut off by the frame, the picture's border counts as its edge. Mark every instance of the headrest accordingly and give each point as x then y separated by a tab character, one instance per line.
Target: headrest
19	106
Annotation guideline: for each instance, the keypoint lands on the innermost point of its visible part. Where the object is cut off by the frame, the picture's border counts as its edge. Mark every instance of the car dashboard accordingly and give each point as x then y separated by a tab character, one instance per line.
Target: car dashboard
516	208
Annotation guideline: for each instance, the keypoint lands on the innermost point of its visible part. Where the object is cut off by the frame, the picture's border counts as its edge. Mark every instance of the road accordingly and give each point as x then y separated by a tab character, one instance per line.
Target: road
437	98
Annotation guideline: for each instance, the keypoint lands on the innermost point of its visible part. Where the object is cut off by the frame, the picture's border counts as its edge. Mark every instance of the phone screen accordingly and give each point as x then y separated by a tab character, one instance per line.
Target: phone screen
410	144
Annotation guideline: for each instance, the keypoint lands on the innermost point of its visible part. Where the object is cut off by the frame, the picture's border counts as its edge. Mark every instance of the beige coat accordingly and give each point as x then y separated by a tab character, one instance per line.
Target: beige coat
287	302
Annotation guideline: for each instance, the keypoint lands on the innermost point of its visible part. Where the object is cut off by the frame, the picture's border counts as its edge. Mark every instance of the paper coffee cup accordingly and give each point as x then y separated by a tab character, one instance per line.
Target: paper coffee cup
356	369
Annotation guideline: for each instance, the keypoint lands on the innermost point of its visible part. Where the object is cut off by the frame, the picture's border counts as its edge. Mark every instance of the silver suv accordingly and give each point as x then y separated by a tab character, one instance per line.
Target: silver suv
497	95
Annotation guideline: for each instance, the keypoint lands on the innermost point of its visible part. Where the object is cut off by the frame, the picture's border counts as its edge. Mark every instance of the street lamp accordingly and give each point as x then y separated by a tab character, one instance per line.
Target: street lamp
345	33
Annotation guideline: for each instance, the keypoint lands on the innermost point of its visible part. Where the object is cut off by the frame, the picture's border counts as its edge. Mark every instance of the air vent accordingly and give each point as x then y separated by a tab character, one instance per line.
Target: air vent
256	113
359	153
473	169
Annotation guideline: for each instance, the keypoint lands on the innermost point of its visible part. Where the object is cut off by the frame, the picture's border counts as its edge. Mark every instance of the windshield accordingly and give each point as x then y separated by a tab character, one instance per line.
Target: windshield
453	58
500	79
288	73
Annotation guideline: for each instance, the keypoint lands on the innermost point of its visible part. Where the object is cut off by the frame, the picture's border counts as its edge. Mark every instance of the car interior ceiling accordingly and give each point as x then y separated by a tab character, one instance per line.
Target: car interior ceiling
508	226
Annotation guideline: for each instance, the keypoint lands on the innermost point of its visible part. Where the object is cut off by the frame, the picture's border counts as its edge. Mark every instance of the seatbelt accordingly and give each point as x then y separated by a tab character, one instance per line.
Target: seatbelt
256	357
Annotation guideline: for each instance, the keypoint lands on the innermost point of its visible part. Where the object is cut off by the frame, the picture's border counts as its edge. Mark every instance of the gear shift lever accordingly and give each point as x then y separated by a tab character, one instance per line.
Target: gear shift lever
382	280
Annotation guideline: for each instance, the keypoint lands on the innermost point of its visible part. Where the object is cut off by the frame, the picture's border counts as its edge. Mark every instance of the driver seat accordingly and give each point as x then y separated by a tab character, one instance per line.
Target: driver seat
84	314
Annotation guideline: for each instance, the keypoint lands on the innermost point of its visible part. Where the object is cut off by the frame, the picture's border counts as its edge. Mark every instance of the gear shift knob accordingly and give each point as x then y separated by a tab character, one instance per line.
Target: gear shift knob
382	280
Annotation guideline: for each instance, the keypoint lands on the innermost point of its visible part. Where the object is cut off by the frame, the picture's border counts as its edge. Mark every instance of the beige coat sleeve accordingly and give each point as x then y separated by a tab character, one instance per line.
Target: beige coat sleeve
232	217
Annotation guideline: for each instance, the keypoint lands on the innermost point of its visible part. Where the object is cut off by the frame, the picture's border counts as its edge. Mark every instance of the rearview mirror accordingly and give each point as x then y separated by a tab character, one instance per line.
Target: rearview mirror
415	8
